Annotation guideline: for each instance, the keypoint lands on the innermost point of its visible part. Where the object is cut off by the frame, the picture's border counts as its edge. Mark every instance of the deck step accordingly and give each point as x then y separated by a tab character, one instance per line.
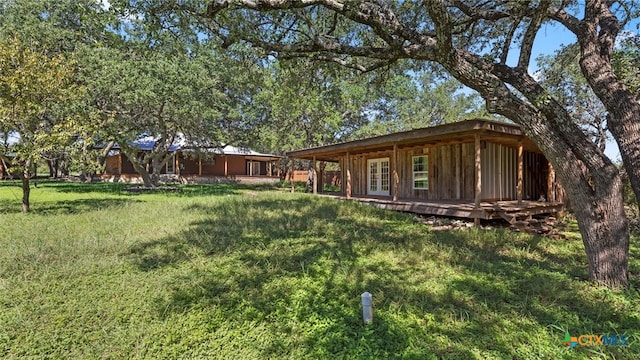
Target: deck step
512	218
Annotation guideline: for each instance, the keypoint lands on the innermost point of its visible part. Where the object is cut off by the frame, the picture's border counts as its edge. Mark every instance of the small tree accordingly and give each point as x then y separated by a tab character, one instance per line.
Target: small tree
33	91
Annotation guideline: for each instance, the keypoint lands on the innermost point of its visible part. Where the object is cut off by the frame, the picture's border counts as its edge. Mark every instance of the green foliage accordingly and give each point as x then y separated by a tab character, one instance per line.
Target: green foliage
232	272
626	61
57	26
561	75
410	99
309	104
37	93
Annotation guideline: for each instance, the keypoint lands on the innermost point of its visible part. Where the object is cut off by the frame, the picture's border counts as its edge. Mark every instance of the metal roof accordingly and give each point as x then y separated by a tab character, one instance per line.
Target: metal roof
458	132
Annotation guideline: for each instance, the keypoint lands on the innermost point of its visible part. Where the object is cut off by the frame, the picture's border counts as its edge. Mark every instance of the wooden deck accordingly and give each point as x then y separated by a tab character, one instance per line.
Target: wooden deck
510	211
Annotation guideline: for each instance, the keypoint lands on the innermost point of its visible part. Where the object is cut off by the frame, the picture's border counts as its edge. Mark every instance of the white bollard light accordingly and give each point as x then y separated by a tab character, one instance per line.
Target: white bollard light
367	311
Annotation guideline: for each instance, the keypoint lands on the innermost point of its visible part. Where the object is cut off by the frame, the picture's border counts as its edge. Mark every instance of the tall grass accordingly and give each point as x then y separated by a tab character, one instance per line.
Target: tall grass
226	272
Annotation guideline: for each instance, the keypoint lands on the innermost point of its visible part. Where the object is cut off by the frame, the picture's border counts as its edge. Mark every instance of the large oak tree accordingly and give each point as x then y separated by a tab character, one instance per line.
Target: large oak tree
486	46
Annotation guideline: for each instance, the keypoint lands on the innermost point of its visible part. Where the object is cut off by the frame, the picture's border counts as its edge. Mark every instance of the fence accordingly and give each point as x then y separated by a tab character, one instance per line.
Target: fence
331	177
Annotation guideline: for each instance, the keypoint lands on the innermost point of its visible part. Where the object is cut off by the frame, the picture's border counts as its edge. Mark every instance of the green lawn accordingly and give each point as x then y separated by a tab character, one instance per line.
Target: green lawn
222	271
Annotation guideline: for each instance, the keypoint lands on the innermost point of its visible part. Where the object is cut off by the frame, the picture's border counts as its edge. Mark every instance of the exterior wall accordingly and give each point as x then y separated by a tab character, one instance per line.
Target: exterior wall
499	171
330	177
452	172
188	165
236	165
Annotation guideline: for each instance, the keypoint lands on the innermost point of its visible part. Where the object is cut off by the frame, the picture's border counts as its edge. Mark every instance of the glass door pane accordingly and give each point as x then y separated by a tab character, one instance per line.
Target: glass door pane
384	175
373	176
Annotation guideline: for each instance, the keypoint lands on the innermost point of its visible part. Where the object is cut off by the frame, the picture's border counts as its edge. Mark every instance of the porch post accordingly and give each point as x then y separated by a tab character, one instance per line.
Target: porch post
315	175
520	185
347	166
478	174
226	166
176	165
458	159
199	166
396	178
551	195
291	177
321	177
120	163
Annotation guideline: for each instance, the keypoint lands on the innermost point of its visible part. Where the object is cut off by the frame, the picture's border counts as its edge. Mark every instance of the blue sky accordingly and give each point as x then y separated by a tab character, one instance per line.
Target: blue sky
551	38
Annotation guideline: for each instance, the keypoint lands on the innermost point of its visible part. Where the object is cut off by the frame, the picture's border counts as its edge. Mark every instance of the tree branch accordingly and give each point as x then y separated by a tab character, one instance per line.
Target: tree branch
507	42
530	35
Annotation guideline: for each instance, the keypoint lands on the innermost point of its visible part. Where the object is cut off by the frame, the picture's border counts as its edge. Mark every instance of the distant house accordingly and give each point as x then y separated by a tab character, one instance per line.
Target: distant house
477	169
187	164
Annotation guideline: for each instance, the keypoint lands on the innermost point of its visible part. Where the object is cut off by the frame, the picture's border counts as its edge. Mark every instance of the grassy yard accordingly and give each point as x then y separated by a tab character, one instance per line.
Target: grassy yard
227	272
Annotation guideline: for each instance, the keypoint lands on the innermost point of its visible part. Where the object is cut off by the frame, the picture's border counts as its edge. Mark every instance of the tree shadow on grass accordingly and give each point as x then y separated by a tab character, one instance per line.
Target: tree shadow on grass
64	207
182	190
298	265
518	276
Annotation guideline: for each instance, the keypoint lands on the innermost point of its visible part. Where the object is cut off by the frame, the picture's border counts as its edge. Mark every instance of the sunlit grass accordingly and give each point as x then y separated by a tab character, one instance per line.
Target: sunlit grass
221	271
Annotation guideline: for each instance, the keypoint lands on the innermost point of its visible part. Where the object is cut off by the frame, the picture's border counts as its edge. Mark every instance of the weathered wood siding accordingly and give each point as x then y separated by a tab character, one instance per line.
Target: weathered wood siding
452	172
112	165
499	172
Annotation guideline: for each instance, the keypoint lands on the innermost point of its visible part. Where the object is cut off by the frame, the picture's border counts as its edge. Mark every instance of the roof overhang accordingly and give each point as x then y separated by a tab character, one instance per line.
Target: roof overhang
448	134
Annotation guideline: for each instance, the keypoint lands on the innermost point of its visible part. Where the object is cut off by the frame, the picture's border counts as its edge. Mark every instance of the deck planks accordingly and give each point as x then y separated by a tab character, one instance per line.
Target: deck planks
509	209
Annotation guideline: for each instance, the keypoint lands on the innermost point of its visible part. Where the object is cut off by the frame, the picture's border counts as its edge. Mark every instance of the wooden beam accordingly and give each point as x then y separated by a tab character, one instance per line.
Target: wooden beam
551	180
478	172
293	189
321	177
396	178
458	161
315	175
348	171
520	185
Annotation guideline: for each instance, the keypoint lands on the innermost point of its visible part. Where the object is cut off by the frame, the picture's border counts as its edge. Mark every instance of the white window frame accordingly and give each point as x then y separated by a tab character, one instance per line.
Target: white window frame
420	175
251	165
381	180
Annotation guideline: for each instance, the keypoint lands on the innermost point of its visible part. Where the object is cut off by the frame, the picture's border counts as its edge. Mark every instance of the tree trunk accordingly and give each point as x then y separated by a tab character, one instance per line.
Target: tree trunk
25	176
52	172
26	190
310	178
139	168
64	167
604	229
596	39
144	174
593	184
157	164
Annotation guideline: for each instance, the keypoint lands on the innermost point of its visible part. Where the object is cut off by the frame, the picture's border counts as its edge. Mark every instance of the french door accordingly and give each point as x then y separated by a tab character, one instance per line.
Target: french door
378	177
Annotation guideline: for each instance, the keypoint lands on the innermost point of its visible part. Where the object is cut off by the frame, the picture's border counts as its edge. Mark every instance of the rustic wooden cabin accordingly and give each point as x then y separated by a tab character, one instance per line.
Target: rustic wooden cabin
476	169
205	165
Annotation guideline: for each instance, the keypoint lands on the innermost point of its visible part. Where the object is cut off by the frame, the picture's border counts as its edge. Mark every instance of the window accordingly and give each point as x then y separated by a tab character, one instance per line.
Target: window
421	172
171	165
253	168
